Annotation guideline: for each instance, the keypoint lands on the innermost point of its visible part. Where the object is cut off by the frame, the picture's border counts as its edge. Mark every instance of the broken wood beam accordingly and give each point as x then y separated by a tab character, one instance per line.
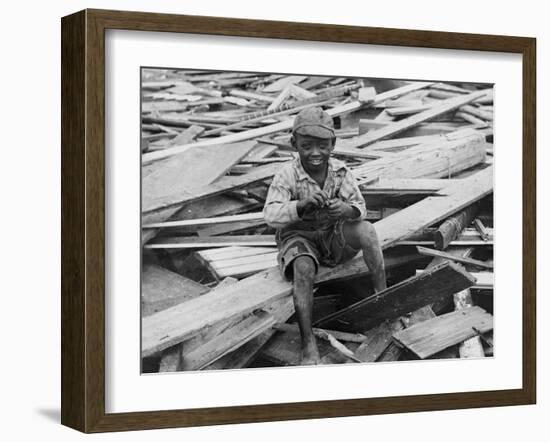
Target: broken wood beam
187	172
227	341
322	333
407	296
480	227
224	184
468	261
430	337
400	126
437	161
452	226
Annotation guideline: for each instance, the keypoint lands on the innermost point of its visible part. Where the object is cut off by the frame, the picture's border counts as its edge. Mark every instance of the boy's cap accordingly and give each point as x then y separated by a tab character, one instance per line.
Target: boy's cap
315	122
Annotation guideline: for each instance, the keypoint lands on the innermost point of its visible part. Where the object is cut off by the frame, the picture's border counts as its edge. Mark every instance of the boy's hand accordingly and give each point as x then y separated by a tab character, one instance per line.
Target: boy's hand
312	202
338	209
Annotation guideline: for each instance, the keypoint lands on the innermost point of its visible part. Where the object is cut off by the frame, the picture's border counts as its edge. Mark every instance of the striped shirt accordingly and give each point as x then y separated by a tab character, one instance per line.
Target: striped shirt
292	183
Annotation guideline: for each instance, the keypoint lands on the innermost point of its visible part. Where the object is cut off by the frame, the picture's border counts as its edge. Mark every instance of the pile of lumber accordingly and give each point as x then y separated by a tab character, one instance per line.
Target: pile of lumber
212	296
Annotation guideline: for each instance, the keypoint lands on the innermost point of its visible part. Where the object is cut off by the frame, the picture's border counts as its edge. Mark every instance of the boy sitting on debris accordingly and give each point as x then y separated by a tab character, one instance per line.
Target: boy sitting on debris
316	206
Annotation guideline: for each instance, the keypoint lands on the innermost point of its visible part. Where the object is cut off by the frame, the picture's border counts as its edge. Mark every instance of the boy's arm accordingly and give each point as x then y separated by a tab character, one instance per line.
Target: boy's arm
350	194
279	209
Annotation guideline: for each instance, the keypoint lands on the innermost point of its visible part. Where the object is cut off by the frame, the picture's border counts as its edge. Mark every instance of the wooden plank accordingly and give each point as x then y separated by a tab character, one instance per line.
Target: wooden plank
230	228
426	161
161	289
450	229
472	347
393	186
228	341
484	280
400	126
281	310
220	265
241	270
429	337
409	295
179	195
206	221
215	241
166	328
188	171
282	83
378	340
321	333
233	252
187	135
468	261
366	125
484	233
251	95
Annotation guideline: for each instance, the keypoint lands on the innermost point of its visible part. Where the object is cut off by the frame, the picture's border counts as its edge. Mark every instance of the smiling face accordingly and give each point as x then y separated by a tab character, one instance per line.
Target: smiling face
314	152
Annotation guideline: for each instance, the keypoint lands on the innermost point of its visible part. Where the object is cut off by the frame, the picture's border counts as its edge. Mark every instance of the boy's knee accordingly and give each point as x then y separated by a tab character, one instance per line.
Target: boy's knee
304	267
367	233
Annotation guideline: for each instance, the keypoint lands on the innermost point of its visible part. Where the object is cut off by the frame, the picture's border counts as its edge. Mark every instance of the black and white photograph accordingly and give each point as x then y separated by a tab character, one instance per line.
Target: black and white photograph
293	219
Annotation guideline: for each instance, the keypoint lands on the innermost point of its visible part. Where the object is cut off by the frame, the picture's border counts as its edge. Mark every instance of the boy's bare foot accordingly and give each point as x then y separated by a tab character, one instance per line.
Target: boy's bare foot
310	356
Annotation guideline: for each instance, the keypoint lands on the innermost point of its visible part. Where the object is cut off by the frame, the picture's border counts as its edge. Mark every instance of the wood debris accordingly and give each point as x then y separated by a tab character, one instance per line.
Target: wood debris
212	295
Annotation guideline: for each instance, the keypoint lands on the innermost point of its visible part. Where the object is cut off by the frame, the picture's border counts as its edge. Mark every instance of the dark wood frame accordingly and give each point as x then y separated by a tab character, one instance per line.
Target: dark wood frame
83	218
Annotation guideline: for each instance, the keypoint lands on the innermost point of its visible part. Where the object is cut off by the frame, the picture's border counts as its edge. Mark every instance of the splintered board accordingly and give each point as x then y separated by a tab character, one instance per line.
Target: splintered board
227	341
400	126
224	184
189	170
161	289
187	242
433	284
434	335
238	261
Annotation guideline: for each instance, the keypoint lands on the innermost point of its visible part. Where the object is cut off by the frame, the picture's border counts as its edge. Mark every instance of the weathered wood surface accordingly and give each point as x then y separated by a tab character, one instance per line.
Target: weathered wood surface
166	328
448	256
206	221
378	340
188	171
429	337
224	184
432	161
453	226
322	333
281	310
407	296
215	241
400	126
285	349
228	341
470	348
161	289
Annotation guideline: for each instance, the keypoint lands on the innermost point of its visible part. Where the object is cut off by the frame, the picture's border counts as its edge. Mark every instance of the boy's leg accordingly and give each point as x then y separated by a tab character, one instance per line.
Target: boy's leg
362	235
304	274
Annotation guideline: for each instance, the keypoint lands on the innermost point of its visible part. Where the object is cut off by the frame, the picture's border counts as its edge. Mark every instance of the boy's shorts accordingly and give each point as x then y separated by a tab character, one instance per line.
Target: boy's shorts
327	247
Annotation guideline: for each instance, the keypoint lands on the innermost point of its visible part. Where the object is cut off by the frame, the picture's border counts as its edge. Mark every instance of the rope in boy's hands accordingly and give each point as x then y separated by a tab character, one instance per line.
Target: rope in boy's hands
316	200
338	209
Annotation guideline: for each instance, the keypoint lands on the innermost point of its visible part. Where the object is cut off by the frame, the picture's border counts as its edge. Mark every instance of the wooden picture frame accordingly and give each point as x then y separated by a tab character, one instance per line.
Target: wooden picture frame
83	220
